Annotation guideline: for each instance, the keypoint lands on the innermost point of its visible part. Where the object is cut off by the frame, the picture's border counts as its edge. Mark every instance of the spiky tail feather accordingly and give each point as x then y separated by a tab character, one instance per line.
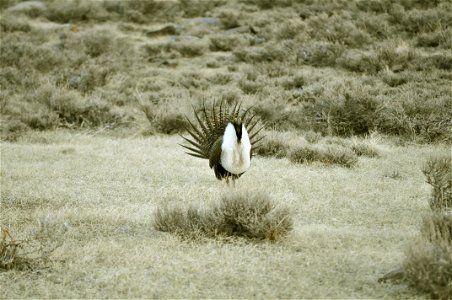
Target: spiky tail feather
211	125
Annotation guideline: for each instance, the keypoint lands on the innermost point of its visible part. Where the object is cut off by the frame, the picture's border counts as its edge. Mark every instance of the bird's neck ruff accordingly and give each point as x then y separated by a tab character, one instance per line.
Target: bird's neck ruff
235	154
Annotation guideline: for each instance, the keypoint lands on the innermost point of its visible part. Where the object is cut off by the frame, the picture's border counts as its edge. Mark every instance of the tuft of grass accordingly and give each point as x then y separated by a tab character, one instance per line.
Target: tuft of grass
247	214
438	171
331	155
428	265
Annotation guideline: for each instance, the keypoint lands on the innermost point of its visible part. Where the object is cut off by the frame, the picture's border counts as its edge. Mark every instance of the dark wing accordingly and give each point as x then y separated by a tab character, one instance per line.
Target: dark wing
215	153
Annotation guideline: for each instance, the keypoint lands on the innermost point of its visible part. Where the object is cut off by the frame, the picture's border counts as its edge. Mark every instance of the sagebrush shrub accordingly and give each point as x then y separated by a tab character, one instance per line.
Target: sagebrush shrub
330	155
273	147
247	214
438	171
428	263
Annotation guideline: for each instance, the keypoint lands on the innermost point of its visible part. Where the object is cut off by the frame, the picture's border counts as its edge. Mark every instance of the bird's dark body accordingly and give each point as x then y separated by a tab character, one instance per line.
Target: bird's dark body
221	173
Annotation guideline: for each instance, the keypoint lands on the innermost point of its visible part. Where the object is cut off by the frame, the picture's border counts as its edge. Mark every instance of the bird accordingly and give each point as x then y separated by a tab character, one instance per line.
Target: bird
226	137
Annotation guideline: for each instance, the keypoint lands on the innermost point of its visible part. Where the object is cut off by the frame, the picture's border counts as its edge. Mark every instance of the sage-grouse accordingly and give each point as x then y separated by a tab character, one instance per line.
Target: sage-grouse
226	137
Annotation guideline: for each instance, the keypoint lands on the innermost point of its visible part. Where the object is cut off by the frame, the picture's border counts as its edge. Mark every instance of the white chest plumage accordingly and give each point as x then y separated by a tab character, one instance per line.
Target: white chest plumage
235	155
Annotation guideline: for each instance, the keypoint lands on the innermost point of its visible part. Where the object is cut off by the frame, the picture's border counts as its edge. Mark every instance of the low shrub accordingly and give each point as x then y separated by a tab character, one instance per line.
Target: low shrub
320	54
312	137
428	263
189	48
438	171
360	61
250	87
34	252
166	121
226	42
247	214
260	54
353	115
273	147
12	23
364	149
330	155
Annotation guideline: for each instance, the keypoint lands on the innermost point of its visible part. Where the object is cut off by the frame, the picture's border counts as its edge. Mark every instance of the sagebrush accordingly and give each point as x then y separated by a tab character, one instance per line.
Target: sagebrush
251	215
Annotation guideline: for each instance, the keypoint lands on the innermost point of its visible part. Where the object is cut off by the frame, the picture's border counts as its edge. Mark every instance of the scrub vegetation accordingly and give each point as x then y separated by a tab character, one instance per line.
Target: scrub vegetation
352	180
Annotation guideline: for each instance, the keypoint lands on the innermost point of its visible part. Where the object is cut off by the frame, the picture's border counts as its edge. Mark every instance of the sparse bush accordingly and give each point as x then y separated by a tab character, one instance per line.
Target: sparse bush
260	54
189	48
394	79
360	61
250	87
428	263
164	121
413	117
320	54
229	19
249	214
354	115
13	23
438	170
220	78
34	252
364	149
75	111
273	147
331	155
226	42
312	137
293	82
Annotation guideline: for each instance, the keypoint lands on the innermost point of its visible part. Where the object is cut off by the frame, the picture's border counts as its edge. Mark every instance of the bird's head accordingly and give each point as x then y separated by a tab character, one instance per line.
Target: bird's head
238	129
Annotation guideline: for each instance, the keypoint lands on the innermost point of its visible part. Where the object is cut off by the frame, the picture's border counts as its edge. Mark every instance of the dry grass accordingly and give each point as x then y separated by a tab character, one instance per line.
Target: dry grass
248	214
350	225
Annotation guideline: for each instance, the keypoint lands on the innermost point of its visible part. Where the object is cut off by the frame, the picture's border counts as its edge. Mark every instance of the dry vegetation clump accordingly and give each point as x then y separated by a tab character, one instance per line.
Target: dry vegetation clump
428	265
247	214
438	171
329	155
32	253
167	121
273	147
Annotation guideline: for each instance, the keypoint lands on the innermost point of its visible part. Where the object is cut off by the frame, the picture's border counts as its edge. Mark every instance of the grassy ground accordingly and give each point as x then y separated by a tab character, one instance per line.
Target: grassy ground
97	195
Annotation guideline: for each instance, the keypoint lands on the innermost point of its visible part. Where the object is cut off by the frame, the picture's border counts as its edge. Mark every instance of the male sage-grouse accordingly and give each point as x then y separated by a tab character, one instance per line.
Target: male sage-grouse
226	137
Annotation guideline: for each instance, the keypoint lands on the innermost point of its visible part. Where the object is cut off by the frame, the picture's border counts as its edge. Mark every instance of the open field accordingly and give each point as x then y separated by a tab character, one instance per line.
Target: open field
351	225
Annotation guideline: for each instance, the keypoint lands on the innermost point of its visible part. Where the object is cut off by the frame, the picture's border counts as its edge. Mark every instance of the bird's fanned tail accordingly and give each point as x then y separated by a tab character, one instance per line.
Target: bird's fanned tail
211	125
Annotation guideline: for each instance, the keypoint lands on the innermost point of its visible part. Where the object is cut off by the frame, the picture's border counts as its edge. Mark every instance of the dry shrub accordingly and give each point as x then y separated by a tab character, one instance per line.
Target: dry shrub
226	42
438	170
320	54
247	214
428	265
312	137
358	147
273	147
329	155
34	252
167	121
364	149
